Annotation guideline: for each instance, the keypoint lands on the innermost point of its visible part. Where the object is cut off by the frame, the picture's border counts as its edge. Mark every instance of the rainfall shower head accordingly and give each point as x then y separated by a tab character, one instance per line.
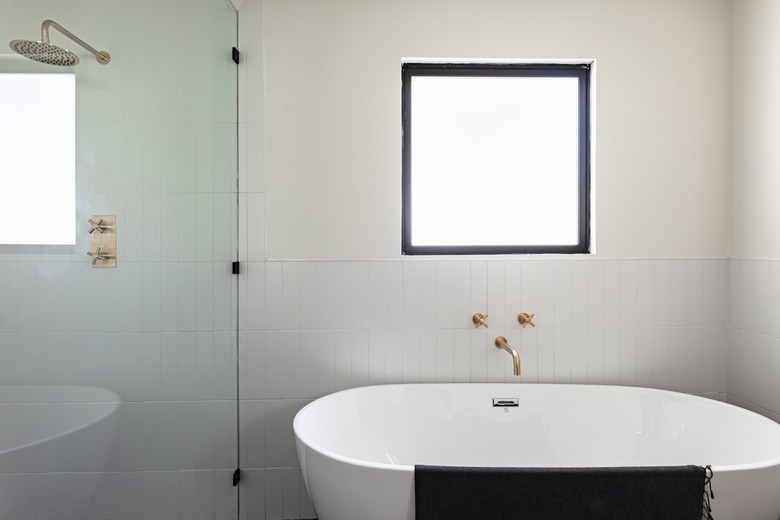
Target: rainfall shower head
46	52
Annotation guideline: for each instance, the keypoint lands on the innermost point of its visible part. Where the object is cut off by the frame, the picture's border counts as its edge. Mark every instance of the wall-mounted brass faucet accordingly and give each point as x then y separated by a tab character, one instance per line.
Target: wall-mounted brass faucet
502	344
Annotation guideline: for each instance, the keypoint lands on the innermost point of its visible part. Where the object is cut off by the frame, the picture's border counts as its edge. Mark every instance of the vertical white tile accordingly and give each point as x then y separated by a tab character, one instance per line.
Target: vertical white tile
461	348
611	355
529	354
563	355
734	293
254	290
661	293
579	294
411	356
256	227
274	386
774	299
596	294
377	296
444	294
661	357
579	355
478	286
513	292
644	356
479	355
445	356
291	364
748	295
25	298
694	292
629	293
273	295
612	309
546	297
496	284
563	294
645	283
308	295
428	361
151	304
628	356
205	296
326	363
274	494
342	307
678	289
411	294
290	493
595	355
773	389
394	290
291	306
546	355
8	304
762	297
694	359
711	293
325	295
394	360
359	294
360	359
461	294
309	364
377	355
342	362
133	296
428	298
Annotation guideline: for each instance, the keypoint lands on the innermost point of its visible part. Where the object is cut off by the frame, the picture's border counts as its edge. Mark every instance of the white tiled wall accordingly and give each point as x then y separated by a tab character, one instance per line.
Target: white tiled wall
754	336
311	328
156	147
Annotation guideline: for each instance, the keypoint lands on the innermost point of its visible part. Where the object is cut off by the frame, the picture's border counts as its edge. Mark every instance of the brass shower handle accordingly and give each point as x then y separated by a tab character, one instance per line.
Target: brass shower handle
526	319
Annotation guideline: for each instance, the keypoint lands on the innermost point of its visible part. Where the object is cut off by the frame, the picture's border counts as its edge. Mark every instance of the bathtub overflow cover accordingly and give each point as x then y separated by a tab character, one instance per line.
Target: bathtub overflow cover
503	402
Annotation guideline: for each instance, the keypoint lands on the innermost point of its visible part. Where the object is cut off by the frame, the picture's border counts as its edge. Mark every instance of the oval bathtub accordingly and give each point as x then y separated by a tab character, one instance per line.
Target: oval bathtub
358	448
53	438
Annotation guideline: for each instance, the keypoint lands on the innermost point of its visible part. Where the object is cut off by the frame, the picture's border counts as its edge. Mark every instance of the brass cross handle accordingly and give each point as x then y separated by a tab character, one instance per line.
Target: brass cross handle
98	255
479	320
526	319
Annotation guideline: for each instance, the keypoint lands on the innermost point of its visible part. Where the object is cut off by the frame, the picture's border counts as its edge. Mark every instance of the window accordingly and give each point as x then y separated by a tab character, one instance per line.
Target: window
38	159
496	158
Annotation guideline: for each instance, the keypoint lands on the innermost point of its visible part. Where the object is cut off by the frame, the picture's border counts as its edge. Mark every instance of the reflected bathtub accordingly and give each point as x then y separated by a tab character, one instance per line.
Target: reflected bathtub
55	442
358	448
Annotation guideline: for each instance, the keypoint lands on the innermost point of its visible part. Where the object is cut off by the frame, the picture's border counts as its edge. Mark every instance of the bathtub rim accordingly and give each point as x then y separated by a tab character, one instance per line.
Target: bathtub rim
113	405
307	442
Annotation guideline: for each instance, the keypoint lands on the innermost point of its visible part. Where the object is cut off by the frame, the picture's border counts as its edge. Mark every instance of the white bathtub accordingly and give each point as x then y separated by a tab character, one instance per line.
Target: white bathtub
55	442
358	448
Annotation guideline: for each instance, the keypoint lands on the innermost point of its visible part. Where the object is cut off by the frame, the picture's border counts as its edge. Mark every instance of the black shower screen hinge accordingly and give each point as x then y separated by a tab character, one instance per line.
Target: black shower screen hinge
236	267
236	477
236	55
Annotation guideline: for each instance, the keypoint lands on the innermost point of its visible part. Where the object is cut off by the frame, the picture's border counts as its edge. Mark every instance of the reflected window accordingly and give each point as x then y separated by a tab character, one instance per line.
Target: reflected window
496	158
38	159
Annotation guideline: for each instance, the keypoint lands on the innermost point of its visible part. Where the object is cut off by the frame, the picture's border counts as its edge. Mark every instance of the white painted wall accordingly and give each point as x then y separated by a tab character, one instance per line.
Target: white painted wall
333	114
755	233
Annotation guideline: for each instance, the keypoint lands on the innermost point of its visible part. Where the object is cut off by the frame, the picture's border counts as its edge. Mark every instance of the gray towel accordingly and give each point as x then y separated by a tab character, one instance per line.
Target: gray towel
634	493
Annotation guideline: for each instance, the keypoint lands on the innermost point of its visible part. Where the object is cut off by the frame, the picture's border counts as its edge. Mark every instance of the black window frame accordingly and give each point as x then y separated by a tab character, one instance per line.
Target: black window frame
580	71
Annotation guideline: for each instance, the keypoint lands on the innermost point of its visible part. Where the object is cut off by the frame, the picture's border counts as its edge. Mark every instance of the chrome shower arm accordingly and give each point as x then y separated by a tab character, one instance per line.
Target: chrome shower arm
102	56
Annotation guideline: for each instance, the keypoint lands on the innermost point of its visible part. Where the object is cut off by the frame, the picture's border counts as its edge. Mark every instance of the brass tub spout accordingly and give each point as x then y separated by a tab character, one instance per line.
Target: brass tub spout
502	344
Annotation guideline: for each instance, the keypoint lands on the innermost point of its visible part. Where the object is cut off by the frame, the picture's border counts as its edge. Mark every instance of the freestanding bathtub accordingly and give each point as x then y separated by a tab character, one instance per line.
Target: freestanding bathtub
358	448
55	442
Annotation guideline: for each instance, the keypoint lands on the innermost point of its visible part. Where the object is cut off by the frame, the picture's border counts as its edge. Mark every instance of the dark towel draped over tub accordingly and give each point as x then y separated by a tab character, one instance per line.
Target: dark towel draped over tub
635	493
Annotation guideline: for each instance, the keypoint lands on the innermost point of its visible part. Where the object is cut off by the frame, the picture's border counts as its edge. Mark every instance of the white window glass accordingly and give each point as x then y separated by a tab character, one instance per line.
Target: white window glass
495	161
37	159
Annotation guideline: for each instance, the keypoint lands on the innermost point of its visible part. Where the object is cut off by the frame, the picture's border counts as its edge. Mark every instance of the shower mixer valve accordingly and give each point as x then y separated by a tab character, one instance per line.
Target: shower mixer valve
103	251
